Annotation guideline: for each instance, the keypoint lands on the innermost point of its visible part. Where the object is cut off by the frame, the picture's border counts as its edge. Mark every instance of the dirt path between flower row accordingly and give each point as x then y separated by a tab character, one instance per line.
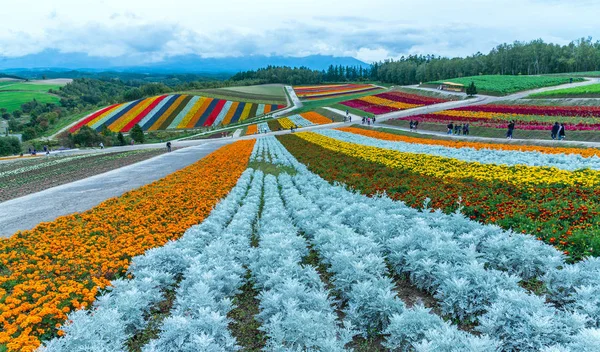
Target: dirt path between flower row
26	212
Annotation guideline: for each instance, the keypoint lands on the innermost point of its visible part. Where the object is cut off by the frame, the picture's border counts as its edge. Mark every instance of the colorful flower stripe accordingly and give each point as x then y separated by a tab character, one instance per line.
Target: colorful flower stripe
173	112
299	121
578	118
376	100
144	113
572	162
316	118
91	117
105	118
183	113
120	123
584	152
436	166
342	93
252	129
155	113
60	265
391	101
285	123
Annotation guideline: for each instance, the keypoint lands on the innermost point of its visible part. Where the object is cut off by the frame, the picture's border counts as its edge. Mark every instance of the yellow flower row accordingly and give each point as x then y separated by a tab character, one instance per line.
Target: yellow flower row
286	123
476	114
443	167
386	102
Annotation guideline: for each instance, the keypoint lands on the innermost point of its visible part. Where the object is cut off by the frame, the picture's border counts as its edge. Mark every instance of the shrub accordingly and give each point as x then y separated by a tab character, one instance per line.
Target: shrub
9	146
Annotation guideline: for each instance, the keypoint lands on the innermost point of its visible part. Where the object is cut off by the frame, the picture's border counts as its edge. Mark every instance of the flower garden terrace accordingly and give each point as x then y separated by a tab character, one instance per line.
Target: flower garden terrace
169	112
288	258
527	117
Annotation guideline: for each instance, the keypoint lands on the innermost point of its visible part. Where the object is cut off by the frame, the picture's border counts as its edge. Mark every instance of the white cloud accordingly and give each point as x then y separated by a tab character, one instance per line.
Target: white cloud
374	30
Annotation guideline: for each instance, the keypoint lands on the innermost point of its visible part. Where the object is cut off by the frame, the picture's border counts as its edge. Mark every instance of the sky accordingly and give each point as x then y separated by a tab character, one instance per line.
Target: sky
369	30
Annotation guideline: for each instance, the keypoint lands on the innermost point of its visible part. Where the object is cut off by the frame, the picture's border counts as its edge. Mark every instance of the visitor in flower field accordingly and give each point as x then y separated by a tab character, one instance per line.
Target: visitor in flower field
561	132
466	129
511	128
373	119
555	129
410	125
450	127
101	145
416	124
168	146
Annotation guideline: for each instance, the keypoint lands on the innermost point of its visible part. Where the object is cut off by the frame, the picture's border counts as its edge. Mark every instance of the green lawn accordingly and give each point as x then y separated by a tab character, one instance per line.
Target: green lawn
275	90
590	91
577	74
26	86
12	100
503	85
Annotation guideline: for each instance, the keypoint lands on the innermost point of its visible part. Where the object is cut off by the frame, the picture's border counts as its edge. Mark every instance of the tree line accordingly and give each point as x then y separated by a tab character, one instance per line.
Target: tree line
519	58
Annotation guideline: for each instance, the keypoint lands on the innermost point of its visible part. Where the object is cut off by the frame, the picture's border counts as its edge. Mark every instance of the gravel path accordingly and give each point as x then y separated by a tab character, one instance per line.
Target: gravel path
26	212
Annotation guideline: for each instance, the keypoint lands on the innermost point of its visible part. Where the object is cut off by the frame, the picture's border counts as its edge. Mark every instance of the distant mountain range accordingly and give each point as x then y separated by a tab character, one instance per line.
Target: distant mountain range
56	61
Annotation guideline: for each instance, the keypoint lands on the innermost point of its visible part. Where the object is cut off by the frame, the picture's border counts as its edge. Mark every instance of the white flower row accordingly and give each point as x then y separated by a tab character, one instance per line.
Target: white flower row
296	311
263	127
268	149
118	314
568	162
199	318
407	235
299	121
360	274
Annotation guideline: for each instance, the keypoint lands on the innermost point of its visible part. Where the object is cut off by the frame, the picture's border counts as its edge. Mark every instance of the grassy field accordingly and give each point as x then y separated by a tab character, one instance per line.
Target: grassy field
26	86
428	93
261	94
582	136
590	91
12	100
14	94
503	85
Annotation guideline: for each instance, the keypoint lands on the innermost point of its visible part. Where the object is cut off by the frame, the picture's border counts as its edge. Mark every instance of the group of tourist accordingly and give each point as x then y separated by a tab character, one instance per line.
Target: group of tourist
368	120
458	129
413	125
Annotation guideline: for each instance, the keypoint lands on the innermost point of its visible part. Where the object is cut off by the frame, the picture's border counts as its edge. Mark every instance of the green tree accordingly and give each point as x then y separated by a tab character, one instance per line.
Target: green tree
471	89
86	136
121	139
9	146
137	134
29	133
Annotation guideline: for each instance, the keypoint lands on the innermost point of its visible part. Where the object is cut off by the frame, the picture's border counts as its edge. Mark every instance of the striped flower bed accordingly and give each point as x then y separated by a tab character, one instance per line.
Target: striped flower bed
391	101
178	111
316	118
575	118
331	91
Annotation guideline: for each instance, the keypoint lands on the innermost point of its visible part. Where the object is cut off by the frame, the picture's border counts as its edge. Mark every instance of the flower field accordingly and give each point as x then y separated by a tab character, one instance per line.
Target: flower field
331	91
391	101
327	266
173	112
20	178
299	120
61	266
575	118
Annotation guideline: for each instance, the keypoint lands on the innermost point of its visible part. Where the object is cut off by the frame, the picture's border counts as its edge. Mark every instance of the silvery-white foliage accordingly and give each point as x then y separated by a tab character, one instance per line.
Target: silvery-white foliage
84	332
449	339
526	323
206	331
296	311
299	120
485	156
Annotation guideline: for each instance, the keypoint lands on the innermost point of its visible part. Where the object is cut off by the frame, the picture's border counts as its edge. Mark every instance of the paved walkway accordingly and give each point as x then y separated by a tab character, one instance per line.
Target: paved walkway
26	212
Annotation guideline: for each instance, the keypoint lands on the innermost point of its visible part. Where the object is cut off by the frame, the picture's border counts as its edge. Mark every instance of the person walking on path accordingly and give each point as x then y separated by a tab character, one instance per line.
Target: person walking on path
466	129
350	117
169	147
511	128
373	119
416	124
450	127
561	132
554	131
368	121
101	145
